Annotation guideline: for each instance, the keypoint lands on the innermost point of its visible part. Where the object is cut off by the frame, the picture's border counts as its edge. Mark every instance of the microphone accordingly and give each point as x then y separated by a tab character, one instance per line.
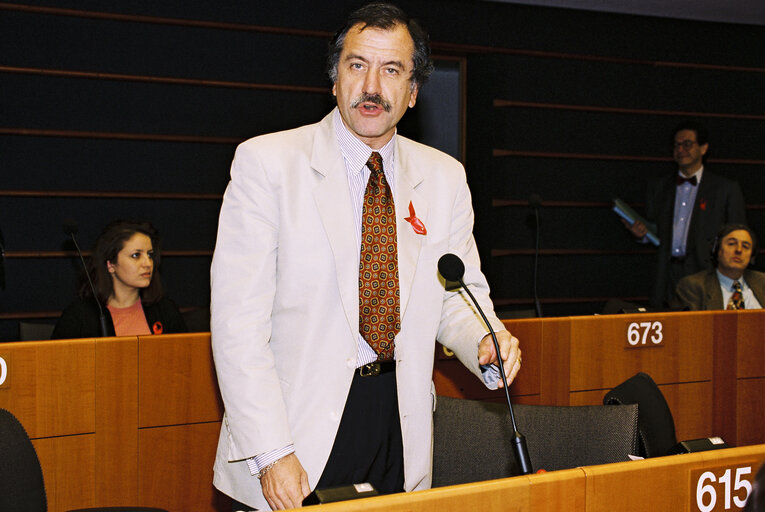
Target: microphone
452	269
535	202
70	228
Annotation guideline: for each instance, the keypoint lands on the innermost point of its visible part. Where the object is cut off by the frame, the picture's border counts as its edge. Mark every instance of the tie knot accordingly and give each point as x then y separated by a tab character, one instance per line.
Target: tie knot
736	286
375	162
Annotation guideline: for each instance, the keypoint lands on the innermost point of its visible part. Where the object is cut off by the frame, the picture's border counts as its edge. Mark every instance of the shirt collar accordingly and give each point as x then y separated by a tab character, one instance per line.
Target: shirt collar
697	174
727	283
355	152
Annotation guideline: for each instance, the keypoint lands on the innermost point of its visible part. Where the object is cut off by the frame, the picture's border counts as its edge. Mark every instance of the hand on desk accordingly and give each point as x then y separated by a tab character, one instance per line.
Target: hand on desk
285	484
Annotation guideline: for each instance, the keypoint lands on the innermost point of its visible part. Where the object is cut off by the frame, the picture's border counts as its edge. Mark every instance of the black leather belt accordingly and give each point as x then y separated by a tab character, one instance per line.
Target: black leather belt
376	368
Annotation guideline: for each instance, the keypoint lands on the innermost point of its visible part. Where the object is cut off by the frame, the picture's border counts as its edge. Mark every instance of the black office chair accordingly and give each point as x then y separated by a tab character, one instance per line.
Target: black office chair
22	488
35	331
472	439
656	426
21	480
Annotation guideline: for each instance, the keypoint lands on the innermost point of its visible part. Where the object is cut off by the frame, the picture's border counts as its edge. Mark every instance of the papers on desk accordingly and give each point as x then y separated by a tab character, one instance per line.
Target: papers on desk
625	212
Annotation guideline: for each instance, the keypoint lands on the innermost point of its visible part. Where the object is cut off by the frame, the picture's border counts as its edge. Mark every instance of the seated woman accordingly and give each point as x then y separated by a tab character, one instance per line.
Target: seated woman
128	288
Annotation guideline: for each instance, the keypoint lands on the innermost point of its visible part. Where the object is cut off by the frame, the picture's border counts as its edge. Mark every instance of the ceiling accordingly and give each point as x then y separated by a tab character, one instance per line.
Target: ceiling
726	11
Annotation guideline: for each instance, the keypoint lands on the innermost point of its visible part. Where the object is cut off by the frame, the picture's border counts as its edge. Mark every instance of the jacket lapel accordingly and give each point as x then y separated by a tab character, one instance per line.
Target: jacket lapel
409	241
333	202
714	298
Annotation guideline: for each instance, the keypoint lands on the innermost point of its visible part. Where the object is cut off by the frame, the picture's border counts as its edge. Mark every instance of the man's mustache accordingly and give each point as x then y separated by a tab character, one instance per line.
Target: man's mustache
372	98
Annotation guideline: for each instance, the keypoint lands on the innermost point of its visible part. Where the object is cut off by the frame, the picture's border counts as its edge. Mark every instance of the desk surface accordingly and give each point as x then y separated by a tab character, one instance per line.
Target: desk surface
687	482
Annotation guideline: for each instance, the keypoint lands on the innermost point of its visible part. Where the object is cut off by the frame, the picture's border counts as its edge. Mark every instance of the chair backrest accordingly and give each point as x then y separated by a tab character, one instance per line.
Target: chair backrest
473	440
197	320
656	427
35	331
21	479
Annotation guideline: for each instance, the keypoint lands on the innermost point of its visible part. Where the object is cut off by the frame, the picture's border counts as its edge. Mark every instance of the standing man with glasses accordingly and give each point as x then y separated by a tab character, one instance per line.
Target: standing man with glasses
689	207
326	297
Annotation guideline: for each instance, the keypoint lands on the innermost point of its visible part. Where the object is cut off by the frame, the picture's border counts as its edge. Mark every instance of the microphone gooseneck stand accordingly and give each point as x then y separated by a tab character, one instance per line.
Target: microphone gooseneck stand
70	228
452	269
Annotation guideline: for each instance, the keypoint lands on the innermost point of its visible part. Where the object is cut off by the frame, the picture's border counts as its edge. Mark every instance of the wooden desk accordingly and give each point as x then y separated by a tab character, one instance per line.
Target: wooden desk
665	484
119	421
709	365
150	405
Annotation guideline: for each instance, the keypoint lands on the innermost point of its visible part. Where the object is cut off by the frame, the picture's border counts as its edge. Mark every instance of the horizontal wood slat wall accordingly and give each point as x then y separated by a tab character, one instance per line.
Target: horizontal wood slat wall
134	110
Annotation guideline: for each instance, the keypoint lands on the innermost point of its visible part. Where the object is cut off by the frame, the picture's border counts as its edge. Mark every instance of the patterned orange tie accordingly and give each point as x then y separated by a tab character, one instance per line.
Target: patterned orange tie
379	295
737	299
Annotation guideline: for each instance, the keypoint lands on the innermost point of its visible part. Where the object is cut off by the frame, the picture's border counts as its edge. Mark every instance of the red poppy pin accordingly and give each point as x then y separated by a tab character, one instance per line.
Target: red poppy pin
416	223
703	204
157	328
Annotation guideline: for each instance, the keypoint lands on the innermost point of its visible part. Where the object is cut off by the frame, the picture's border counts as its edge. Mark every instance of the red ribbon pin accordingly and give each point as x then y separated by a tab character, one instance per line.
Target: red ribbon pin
703	204
416	223
157	328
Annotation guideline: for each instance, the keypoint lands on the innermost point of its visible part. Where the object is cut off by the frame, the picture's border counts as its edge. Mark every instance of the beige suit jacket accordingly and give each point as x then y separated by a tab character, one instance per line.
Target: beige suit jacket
285	299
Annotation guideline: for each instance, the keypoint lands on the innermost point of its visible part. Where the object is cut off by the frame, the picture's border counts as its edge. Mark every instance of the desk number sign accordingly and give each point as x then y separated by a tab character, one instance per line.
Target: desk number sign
644	334
3	371
719	489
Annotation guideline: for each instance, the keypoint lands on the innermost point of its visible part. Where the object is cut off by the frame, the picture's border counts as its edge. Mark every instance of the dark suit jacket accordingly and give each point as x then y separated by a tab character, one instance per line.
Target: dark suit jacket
81	319
701	291
719	201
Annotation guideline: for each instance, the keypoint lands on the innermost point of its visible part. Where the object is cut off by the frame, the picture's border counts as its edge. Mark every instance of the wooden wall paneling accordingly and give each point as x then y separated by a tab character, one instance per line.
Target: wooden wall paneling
69	470
724	360
690	403
176	468
750	356
50	386
177	381
750	417
557	350
602	358
529	334
452	379
587	397
116	421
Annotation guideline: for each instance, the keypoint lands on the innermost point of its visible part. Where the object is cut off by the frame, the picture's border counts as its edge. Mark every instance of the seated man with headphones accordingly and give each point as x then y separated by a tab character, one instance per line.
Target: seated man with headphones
731	284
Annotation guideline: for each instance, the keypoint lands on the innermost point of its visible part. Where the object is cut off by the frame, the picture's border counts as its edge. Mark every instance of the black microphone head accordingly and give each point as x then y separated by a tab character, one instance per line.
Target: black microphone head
70	227
451	267
535	201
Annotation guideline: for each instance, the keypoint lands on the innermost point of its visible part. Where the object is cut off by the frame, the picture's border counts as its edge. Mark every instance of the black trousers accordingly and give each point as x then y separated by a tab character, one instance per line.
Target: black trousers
368	445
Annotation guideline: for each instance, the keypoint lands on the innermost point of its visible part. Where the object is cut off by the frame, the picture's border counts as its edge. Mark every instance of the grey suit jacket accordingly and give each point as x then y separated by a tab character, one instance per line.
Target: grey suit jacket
719	201
701	291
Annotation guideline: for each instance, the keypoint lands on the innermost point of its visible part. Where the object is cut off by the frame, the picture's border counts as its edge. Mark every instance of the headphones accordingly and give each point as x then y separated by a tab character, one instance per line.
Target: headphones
725	231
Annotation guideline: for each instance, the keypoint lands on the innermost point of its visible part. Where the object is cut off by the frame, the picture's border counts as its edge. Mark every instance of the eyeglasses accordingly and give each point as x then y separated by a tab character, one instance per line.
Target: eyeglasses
686	144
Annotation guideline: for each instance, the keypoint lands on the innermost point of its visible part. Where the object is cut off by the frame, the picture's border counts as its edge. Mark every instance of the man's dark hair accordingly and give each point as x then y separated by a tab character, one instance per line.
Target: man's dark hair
727	230
702	135
384	16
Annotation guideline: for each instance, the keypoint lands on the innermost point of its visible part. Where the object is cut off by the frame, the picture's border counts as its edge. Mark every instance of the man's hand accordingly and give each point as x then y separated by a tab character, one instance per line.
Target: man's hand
286	484
510	350
637	229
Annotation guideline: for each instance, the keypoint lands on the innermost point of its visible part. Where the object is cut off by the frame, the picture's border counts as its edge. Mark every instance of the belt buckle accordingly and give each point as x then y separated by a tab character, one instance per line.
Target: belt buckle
370	370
